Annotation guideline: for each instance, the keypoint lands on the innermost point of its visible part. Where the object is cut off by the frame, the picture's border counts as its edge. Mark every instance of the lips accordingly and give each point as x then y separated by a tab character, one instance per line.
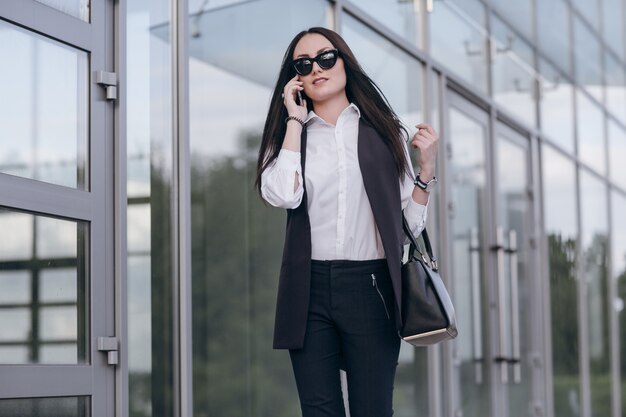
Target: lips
320	80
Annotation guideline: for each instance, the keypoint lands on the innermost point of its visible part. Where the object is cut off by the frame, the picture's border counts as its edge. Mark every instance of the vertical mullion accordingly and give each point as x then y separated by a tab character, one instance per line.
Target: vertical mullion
120	209
181	236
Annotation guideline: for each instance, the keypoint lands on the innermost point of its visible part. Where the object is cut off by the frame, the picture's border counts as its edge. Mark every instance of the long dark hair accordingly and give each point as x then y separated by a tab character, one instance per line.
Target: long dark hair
360	90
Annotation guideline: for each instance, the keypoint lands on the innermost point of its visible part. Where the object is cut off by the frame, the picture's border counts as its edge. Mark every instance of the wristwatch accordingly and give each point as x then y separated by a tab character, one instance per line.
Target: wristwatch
426	186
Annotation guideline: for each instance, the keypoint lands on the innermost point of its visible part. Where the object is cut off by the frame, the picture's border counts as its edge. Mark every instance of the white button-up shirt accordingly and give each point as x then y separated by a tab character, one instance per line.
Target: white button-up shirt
342	222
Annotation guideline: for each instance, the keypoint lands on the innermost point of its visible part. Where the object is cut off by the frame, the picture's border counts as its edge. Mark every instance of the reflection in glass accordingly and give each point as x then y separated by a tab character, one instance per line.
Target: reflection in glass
587	59
150	144
20	227
58	285
618	256
46	407
76	8
560	210
44	108
590	133
613	25
557	107
514	210
397	74
43	301
617	153
236	240
459	41
467	168
615	76
14	287
553	38
400	78
513	73
402	17
595	270
518	13
590	10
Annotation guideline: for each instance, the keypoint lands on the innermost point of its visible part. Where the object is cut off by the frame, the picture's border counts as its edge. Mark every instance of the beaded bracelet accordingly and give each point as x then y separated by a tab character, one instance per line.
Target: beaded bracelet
296	119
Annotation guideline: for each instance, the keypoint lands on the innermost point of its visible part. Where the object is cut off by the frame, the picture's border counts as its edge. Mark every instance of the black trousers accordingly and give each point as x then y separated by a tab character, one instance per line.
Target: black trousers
350	325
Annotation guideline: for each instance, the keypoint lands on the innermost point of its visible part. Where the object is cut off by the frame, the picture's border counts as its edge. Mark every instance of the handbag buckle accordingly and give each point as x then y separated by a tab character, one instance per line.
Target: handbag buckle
434	265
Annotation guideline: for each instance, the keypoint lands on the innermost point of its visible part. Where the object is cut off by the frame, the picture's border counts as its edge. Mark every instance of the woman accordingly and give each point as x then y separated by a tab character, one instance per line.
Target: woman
333	154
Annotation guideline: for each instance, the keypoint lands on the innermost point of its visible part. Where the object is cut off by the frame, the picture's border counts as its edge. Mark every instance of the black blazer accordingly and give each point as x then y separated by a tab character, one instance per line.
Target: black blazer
382	187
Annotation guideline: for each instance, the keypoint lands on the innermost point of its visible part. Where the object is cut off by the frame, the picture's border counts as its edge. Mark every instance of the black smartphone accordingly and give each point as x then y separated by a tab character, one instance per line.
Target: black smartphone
299	98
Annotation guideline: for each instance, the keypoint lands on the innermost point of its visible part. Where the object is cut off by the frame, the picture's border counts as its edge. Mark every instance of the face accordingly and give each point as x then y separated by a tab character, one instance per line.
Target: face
320	84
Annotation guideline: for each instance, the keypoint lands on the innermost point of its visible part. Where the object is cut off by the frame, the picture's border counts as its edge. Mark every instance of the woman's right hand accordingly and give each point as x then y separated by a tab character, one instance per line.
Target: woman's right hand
290	92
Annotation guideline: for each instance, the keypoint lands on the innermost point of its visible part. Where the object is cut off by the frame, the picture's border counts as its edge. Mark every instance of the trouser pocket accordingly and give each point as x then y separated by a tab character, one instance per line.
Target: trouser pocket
380	294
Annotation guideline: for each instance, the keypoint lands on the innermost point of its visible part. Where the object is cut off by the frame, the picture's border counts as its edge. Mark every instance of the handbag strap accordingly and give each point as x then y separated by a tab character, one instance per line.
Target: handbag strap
427	245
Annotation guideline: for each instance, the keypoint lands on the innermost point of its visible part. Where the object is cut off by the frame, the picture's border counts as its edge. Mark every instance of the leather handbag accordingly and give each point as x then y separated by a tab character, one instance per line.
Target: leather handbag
427	312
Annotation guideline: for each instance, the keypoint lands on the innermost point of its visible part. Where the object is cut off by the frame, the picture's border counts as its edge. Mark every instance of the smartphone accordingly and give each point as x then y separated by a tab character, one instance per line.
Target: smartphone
299	99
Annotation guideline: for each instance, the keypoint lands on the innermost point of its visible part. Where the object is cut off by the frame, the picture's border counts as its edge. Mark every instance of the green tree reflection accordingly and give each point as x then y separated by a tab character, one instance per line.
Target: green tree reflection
564	309
236	252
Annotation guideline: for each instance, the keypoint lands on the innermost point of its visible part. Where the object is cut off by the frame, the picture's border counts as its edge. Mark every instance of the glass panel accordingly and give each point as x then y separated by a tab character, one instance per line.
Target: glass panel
21	229
514	74
595	257
613	25
588	59
617	153
46	407
44	297
44	115
590	121
401	17
590	10
236	240
58	285
557	107
518	13
139	227
459	41
397	74
471	381
553	32
76	8
57	323
560	208
150	200
615	76
14	287
400	78
15	322
514	209
618	256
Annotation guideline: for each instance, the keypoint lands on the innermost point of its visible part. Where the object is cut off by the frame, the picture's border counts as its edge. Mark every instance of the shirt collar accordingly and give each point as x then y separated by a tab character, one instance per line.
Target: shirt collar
352	107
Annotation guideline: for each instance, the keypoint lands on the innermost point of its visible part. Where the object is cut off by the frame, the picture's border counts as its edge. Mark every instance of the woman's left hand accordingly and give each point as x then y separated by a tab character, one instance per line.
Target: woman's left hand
426	140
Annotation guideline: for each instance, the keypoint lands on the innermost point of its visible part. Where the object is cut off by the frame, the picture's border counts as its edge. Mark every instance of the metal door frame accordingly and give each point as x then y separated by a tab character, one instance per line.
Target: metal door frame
100	207
482	112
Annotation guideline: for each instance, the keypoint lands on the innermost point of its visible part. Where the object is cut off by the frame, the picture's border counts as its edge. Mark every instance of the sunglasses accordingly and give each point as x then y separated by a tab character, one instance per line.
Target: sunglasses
326	60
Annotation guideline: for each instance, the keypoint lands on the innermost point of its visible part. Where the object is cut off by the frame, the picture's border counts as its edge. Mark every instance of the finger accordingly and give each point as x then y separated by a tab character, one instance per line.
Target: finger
428	128
422	143
427	139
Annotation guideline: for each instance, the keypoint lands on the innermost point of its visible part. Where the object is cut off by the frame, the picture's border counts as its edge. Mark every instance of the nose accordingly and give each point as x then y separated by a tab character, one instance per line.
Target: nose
316	67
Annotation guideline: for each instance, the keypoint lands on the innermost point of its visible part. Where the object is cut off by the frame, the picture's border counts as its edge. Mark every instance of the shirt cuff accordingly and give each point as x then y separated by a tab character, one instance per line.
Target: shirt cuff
415	210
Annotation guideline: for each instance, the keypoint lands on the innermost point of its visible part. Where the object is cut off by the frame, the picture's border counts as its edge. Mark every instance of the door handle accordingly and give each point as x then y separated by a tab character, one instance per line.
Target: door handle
474	270
501	355
515	316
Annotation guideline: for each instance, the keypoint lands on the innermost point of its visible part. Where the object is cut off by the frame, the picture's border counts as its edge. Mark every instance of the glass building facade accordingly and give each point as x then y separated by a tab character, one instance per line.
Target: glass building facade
139	267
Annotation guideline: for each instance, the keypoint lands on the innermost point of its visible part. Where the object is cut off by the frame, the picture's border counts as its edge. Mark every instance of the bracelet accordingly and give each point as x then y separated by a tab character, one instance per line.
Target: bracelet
296	119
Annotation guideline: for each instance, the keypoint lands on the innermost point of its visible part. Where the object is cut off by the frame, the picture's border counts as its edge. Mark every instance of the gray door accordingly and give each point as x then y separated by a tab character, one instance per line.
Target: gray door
495	363
57	327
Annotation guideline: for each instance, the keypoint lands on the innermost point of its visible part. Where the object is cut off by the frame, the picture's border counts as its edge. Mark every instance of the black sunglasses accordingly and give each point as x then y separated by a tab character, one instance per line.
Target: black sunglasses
326	60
